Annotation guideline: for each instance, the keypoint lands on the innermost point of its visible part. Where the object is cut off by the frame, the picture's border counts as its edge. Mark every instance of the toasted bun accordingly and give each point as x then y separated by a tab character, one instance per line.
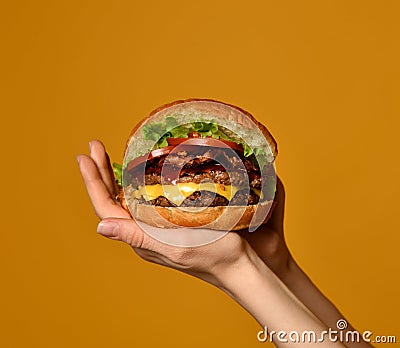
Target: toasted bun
223	218
216	218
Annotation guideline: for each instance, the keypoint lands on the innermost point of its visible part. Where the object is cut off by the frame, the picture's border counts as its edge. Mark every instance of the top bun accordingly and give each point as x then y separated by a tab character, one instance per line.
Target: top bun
227	111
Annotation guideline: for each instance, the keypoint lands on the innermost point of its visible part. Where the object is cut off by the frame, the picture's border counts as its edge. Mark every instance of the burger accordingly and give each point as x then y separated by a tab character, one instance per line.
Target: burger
199	163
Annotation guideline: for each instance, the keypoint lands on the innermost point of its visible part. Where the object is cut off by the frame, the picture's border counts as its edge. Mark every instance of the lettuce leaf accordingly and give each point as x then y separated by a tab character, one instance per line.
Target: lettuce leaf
117	168
261	156
161	131
205	129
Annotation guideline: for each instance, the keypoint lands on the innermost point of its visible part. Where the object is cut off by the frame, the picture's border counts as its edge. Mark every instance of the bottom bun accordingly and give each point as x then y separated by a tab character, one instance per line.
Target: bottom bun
224	218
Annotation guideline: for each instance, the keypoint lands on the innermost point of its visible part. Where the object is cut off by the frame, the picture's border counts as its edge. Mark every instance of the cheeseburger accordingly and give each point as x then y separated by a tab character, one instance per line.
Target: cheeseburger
199	163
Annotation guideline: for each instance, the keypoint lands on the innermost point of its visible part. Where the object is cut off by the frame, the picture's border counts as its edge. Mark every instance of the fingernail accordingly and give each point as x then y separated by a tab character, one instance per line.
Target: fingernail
90	146
78	158
108	228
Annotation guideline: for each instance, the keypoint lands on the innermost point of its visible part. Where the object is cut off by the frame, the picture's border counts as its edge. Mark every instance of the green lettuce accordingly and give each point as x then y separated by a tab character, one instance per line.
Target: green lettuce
261	156
161	131
205	129
121	176
117	168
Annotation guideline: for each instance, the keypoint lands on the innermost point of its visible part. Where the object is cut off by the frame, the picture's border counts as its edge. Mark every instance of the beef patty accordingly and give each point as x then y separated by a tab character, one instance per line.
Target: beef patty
222	167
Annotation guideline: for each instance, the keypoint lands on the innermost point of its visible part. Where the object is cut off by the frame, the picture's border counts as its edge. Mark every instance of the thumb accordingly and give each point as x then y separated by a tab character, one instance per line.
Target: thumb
125	230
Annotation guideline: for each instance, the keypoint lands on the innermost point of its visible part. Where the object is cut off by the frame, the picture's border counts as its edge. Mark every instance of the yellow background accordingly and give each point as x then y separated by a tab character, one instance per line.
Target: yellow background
324	76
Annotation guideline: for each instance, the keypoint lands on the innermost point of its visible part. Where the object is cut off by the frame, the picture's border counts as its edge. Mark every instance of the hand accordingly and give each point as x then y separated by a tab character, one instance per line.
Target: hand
268	240
229	263
205	262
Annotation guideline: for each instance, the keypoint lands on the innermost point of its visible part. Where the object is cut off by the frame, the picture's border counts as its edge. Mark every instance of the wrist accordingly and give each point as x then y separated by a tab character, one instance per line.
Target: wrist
236	278
253	285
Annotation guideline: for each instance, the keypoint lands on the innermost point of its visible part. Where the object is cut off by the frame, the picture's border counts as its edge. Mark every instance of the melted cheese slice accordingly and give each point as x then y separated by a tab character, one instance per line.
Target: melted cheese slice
179	192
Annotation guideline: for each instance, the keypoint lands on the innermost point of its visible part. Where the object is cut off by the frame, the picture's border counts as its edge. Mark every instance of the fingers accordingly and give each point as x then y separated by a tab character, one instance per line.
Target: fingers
102	161
103	203
125	230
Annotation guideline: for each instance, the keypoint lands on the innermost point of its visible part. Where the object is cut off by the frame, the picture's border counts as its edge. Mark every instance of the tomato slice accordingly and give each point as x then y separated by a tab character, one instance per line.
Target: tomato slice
205	142
153	154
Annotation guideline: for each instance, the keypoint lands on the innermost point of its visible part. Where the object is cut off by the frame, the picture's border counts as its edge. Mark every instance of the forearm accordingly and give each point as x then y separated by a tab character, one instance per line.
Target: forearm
305	290
255	287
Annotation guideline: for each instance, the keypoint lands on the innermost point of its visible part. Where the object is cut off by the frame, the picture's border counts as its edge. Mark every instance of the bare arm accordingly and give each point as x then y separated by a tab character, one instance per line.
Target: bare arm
274	306
269	243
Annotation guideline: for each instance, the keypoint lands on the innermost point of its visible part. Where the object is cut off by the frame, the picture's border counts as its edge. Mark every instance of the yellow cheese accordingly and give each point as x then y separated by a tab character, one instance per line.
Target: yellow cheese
179	192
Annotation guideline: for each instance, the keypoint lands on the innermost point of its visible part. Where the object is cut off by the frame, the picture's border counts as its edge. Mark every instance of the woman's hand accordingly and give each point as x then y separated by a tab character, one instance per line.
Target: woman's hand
206	262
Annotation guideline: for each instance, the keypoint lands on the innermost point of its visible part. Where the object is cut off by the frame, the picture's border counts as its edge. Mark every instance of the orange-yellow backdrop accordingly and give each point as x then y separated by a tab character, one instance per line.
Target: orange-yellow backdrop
323	75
